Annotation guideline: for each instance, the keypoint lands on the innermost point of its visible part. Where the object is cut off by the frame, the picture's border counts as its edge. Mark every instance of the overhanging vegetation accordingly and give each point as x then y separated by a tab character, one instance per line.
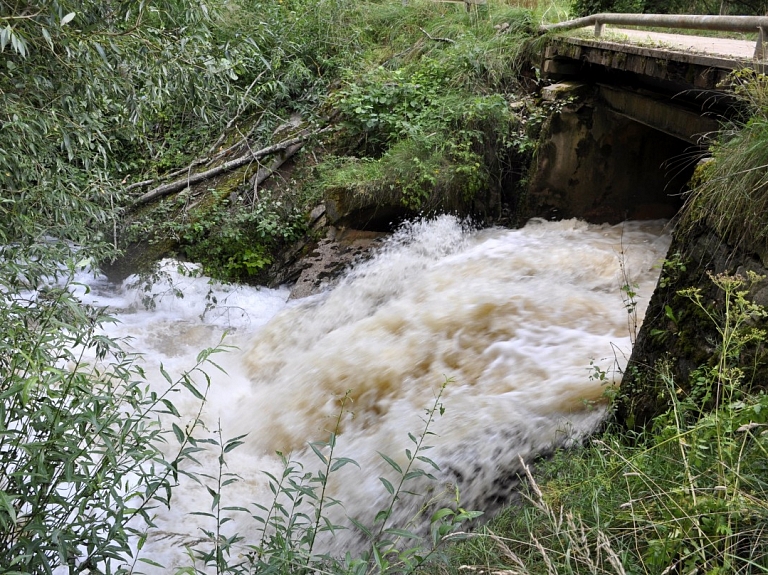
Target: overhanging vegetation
97	98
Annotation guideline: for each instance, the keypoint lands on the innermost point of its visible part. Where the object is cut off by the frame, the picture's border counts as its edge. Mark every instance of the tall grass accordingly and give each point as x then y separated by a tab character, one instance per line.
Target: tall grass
732	193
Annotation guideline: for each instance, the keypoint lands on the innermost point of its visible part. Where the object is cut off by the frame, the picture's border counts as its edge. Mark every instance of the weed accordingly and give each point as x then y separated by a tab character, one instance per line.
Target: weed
82	451
287	529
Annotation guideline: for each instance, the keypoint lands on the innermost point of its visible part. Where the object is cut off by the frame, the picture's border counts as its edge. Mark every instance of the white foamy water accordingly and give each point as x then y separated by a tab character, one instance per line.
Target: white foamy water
511	318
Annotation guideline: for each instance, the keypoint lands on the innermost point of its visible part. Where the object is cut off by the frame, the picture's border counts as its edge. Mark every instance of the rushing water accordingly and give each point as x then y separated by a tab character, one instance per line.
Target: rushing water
511	319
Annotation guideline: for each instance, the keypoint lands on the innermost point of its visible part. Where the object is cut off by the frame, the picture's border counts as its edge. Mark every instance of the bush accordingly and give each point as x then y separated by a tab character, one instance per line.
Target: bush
82	436
732	192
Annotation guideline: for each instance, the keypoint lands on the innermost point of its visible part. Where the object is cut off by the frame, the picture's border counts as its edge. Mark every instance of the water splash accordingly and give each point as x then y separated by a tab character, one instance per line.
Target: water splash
512	318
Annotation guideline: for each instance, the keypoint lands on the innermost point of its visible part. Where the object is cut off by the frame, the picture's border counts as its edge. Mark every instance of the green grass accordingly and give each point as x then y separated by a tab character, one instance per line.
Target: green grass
732	191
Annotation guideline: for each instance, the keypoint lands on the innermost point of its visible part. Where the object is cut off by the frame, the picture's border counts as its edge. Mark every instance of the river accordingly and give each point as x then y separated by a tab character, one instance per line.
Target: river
506	332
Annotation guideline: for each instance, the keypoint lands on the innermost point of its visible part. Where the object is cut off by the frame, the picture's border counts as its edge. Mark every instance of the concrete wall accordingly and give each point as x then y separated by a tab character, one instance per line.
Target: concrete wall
598	165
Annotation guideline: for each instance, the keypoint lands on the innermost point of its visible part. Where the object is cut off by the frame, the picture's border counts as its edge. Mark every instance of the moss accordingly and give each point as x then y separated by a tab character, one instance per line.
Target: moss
679	335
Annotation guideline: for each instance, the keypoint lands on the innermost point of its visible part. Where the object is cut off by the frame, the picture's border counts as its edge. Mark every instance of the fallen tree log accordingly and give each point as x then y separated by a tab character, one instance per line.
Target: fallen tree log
194	164
178	185
266	171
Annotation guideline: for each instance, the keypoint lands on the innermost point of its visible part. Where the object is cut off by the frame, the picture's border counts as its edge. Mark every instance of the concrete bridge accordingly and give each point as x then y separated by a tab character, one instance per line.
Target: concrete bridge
637	110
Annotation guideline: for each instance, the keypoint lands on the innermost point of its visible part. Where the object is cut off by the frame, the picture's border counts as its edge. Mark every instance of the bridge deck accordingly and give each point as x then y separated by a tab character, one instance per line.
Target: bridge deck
728	48
679	61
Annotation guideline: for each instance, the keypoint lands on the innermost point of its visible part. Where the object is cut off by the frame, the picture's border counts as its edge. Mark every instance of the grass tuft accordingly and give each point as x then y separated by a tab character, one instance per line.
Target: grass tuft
732	194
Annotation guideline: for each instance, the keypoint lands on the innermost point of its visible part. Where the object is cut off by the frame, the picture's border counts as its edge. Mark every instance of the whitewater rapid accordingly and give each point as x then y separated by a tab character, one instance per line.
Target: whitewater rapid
509	324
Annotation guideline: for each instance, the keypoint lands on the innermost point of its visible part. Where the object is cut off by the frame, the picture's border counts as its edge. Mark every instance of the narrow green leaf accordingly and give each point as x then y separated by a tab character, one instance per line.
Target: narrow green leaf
429	461
165	374
340	462
232	445
186	382
404	533
388	485
234	508
170	407
380	562
179	433
414	474
440	514
391	462
381	516
361	527
318	453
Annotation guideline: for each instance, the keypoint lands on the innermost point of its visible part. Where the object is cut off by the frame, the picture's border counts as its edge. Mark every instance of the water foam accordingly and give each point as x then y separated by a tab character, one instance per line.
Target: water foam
511	318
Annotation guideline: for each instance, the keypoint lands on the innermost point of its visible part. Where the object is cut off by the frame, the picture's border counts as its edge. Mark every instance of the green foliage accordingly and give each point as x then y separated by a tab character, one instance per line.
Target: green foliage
237	244
688	495
430	117
83	83
431	142
732	196
82	435
587	7
83	86
233	242
384	106
285	531
94	95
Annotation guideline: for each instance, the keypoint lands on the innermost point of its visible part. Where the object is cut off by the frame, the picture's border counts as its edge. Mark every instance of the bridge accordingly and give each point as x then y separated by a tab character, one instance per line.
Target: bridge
638	109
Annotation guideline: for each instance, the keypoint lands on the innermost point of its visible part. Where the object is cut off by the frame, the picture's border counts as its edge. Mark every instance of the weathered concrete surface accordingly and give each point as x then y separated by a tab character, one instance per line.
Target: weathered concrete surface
596	164
676	337
698	46
660	114
679	61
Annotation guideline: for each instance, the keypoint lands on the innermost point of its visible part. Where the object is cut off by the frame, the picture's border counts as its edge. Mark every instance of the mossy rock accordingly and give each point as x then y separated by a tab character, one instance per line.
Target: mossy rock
677	337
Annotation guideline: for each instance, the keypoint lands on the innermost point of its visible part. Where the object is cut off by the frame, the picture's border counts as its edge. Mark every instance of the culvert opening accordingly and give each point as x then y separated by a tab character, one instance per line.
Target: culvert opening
604	167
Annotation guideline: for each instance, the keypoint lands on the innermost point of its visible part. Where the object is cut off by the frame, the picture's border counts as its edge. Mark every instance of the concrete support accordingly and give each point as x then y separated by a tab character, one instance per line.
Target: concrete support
599	27
596	164
760	45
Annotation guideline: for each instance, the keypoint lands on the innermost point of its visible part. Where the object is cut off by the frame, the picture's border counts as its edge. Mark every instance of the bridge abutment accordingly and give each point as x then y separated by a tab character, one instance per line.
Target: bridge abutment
600	165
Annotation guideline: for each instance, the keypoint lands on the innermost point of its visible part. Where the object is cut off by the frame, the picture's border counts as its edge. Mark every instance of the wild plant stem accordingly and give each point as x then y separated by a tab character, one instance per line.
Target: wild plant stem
324	483
419	444
686	465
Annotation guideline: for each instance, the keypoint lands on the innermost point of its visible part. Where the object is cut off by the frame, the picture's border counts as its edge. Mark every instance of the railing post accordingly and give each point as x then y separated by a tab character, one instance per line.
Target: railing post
760	46
599	28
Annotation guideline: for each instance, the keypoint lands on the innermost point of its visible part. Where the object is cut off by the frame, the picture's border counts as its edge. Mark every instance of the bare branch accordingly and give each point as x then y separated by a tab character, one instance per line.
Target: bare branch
178	185
428	35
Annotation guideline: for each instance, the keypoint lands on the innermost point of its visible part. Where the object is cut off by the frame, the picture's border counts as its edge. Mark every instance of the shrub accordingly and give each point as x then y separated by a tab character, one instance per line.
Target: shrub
732	193
82	435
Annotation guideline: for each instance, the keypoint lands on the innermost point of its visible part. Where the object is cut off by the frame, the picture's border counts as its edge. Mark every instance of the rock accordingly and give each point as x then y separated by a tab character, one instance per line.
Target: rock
677	337
564	90
325	264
